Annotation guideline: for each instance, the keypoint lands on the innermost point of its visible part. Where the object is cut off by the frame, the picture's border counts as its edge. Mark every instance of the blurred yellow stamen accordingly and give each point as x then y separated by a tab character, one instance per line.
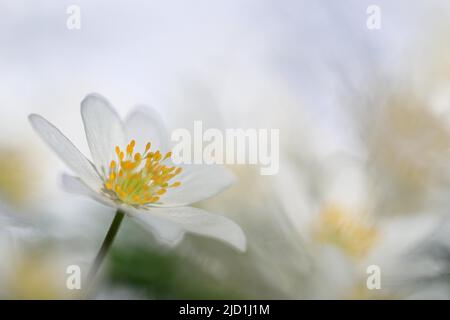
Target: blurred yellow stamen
336	226
137	182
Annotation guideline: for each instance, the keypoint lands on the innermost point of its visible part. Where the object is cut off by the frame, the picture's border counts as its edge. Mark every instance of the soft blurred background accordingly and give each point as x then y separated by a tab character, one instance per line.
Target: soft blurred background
364	119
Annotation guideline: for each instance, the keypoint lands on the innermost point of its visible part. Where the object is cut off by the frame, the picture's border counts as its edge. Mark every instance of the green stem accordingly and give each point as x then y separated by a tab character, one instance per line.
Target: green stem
109	239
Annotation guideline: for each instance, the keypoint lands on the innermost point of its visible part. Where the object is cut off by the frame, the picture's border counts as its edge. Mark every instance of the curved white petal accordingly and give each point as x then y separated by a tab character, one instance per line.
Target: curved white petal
165	232
75	185
196	221
198	182
145	125
104	130
66	151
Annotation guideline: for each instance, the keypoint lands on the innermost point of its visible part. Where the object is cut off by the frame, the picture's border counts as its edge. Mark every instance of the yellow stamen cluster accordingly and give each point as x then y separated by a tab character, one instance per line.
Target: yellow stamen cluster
139	179
344	230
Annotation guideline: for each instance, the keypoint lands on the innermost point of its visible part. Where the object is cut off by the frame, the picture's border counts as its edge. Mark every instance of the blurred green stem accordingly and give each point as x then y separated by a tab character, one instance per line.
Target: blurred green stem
109	239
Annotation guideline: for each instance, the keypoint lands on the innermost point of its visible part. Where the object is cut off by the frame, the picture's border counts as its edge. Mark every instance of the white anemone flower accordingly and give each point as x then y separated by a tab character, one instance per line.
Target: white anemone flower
144	186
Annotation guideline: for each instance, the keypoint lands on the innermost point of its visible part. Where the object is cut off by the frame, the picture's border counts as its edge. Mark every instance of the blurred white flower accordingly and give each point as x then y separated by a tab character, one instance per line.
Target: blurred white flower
141	184
343	232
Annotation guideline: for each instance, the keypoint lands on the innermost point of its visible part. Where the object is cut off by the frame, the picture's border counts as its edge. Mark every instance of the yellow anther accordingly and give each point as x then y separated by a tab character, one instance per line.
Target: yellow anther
129	149
168	155
117	150
175	184
127	165
137	157
112	165
108	185
161	192
147	147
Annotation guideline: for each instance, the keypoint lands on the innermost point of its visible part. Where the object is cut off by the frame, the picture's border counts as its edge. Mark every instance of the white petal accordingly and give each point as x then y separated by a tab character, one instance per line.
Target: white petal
145	125
165	232
75	185
66	151
197	221
104	130
198	182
